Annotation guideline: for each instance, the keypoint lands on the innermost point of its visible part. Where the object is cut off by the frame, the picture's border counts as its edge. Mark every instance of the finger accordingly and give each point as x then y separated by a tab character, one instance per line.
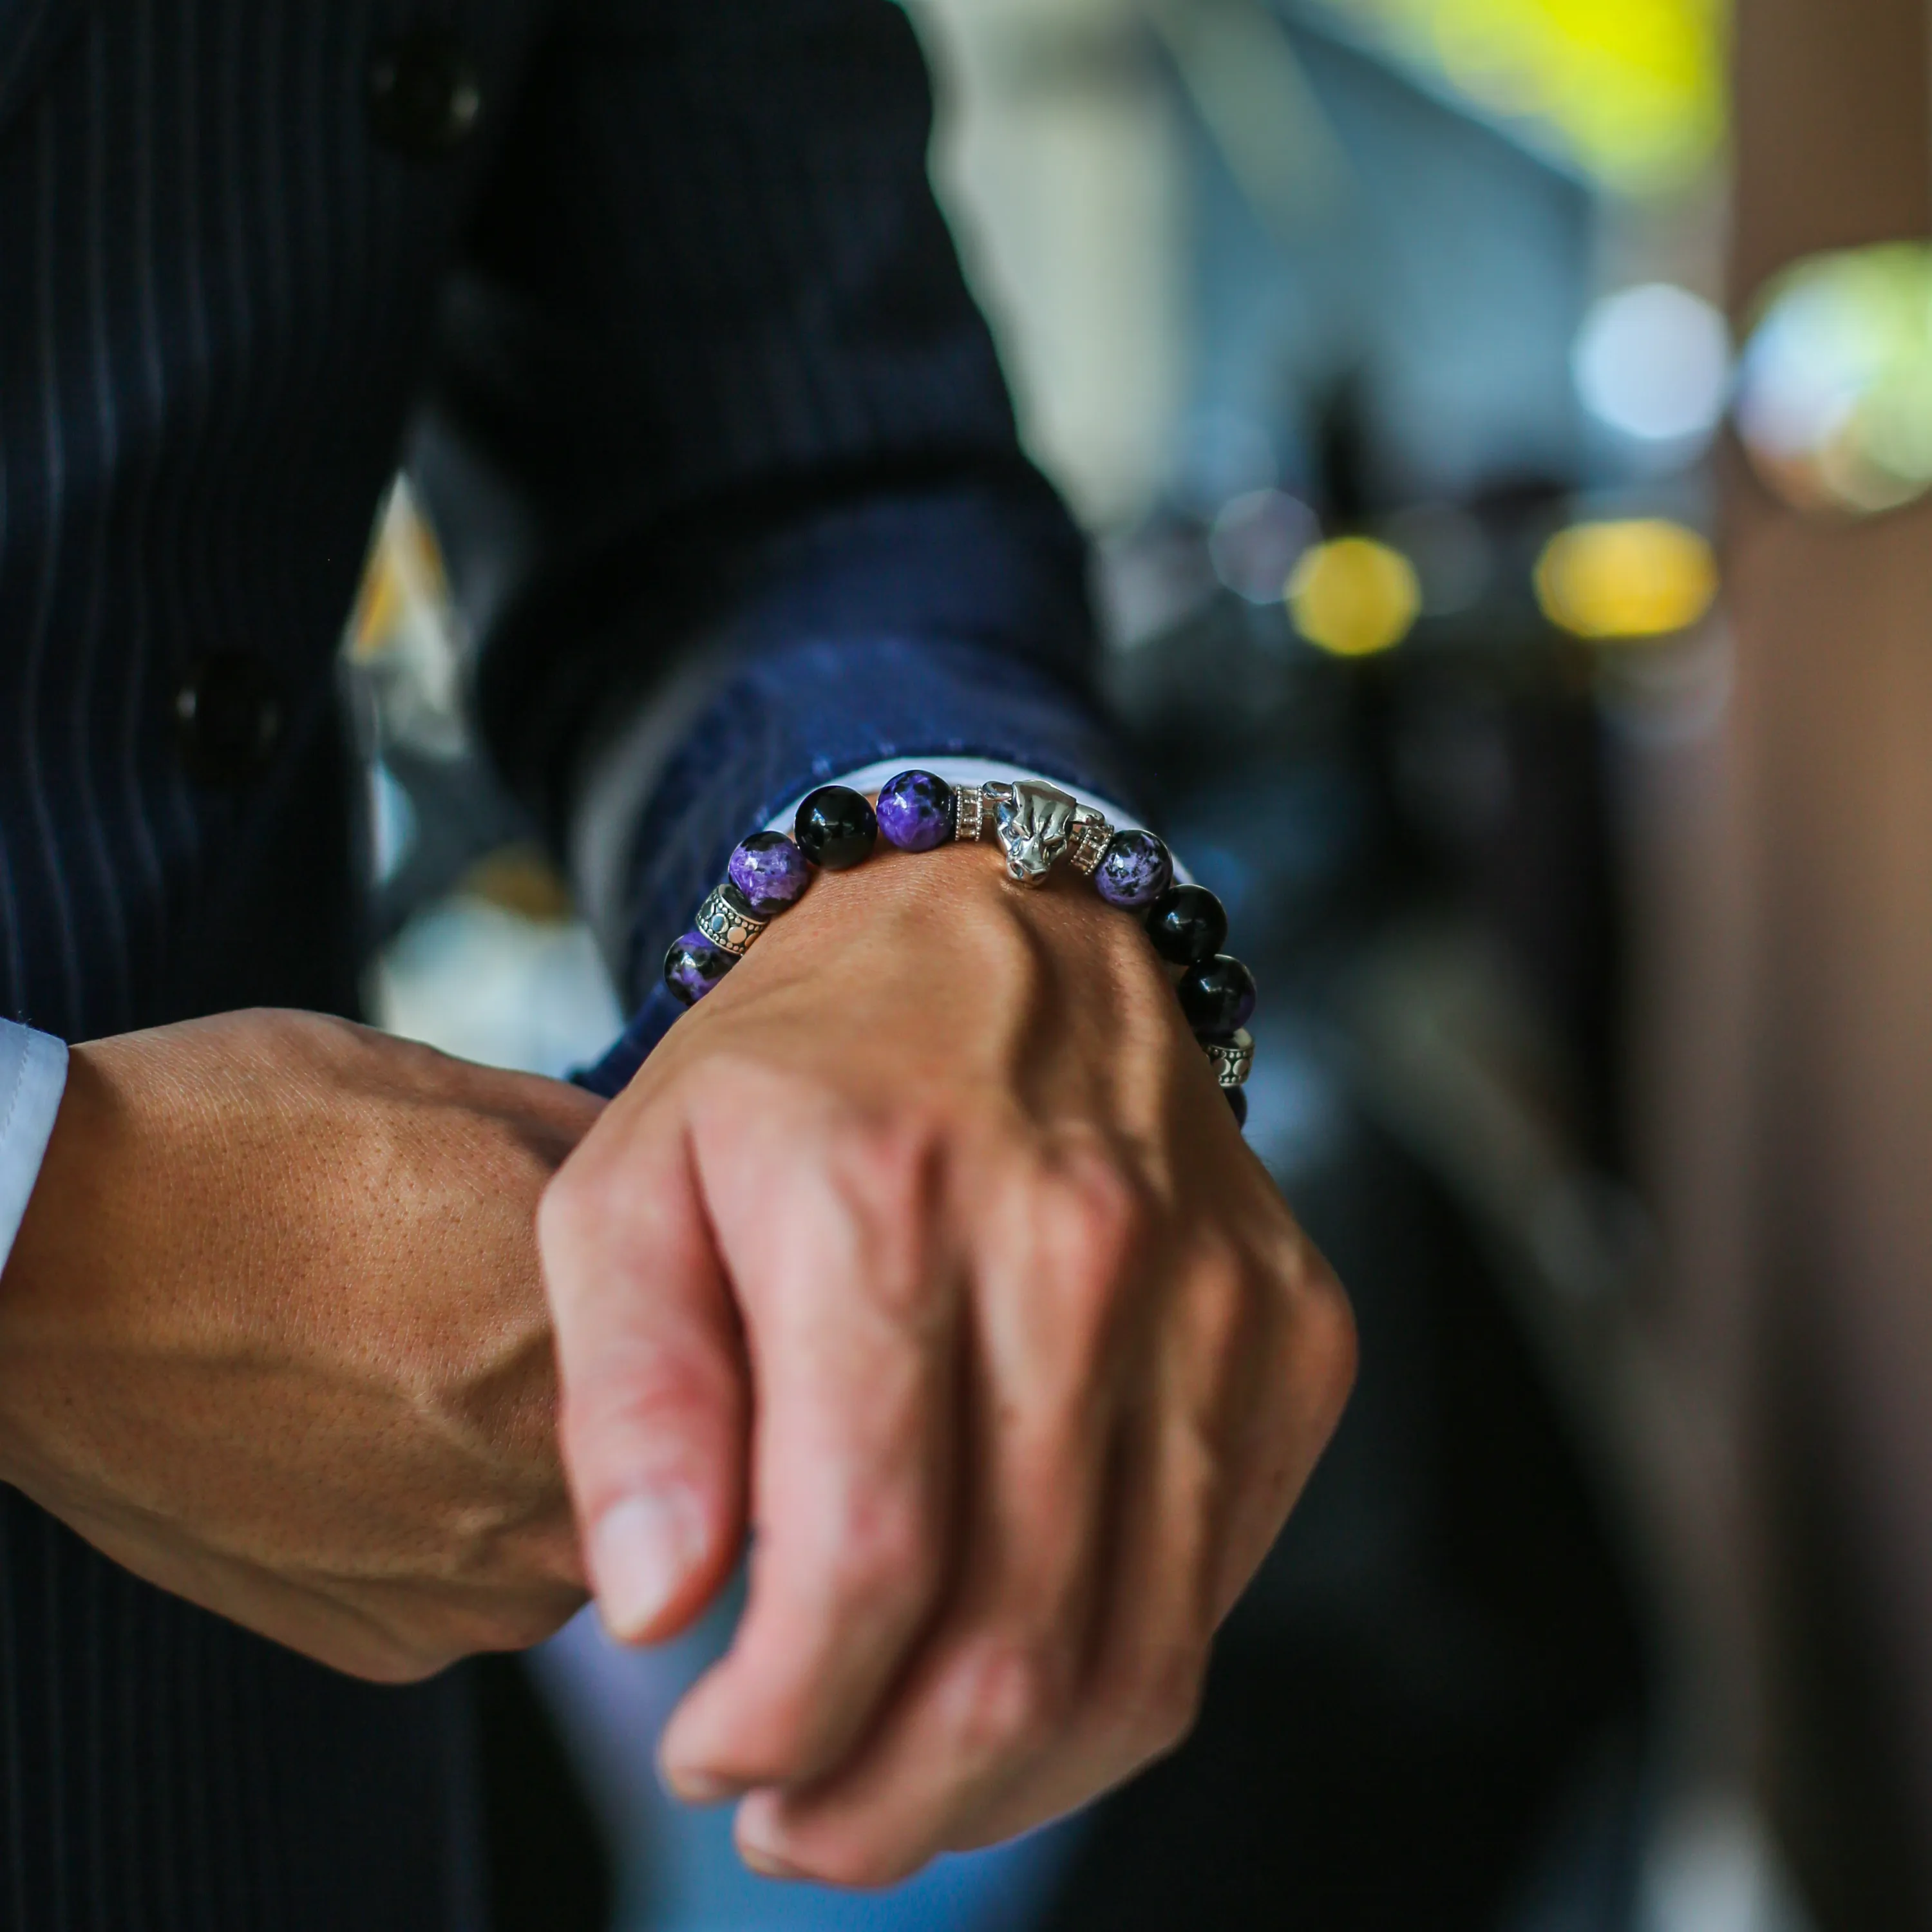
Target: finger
1001	1676
1243	1385
851	1314
1170	1507
651	1366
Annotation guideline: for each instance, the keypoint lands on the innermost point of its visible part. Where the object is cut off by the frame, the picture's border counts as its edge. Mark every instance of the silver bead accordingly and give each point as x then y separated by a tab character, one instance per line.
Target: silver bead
728	927
1092	835
1232	1060
969	813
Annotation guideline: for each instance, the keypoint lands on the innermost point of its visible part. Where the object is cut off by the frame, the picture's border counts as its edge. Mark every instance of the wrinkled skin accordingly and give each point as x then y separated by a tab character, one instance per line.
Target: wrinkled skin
272	1336
926	1249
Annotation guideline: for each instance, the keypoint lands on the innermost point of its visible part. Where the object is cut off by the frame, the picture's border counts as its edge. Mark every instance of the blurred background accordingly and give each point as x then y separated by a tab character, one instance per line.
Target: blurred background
1500	424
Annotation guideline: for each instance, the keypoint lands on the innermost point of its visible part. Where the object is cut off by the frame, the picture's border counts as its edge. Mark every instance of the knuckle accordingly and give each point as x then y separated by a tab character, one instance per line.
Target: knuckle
1106	1209
1018	1695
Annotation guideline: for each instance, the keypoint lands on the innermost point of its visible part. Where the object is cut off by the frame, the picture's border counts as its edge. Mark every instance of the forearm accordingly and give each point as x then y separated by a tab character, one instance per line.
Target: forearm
271	1335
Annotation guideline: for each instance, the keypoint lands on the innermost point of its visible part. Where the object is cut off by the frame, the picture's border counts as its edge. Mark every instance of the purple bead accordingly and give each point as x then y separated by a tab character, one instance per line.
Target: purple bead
916	811
1134	871
693	967
770	870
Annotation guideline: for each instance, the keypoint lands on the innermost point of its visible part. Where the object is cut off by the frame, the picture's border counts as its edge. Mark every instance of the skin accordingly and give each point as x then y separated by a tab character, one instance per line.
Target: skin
926	1250
273	1337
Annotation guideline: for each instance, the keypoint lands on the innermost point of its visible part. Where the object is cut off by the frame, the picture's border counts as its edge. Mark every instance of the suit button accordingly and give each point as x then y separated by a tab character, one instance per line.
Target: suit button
423	94
231	716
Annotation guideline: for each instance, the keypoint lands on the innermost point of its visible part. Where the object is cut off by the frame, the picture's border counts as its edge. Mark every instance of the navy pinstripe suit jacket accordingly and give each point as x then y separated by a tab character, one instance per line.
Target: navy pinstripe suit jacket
694	360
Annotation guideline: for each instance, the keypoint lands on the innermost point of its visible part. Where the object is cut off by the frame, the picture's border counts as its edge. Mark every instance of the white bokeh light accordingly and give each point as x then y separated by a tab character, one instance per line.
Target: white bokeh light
1653	363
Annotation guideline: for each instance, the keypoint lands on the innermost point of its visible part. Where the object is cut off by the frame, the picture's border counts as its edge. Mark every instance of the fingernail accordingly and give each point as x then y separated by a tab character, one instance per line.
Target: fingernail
757	1828
765	1863
642	1553
699	1787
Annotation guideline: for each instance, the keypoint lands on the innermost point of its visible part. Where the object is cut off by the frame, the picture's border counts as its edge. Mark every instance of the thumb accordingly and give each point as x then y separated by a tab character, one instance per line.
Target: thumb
652	1367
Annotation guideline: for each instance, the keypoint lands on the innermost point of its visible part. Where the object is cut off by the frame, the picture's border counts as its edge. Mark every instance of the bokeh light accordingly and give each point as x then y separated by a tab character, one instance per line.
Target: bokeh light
1626	581
1834	393
1633	91
1354	596
1257	540
1653	363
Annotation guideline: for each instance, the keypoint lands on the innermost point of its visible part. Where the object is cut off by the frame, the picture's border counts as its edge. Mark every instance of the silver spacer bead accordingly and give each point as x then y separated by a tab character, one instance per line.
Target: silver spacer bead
1092	835
1232	1060
726	927
969	813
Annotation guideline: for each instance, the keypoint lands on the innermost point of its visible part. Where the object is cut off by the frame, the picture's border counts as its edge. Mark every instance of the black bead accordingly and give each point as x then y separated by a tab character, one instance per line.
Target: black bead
1217	996
836	828
230	717
423	95
1237	1099
1187	925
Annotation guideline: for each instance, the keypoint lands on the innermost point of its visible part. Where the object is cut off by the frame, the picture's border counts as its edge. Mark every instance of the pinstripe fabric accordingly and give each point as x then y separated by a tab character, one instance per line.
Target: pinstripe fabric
682	302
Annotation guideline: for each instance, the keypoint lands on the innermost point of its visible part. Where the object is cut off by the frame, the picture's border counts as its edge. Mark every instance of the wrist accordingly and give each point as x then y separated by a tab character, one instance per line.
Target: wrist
949	917
1047	838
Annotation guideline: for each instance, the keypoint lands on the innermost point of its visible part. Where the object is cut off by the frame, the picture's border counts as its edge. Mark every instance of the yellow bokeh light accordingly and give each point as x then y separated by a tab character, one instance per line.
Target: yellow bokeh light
1354	596
1635	90
1620	581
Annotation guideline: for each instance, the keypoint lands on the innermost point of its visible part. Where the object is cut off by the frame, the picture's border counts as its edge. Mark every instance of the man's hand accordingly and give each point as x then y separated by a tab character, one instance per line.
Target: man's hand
272	1336
935	1203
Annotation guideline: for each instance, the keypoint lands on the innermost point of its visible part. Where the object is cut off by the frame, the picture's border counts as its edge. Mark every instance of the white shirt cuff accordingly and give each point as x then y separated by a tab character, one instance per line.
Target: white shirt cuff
33	1076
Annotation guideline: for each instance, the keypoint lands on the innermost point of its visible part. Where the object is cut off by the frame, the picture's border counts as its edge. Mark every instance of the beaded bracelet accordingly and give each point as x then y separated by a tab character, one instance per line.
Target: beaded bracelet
1039	825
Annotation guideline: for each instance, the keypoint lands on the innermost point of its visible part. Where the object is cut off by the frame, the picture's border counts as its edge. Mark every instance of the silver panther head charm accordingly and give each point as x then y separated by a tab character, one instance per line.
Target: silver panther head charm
1035	824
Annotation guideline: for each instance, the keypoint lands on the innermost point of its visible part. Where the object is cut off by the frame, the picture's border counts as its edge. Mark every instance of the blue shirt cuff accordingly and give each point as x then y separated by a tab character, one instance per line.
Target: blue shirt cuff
33	1077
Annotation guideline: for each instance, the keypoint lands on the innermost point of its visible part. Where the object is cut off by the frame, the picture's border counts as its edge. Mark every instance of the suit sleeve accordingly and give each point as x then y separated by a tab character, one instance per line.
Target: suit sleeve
712	381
